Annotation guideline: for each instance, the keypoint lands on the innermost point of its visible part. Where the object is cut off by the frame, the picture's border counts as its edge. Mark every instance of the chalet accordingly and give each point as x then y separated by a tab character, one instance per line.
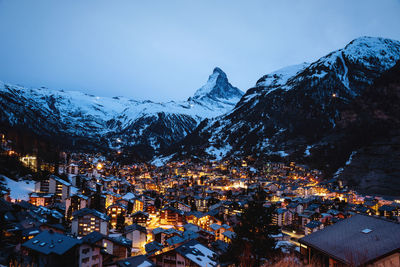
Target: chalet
88	220
138	205
387	211
161	235
282	217
138	217
359	240
74	203
140	260
171	216
54	185
313	226
113	211
138	235
90	253
180	206
191	253
153	247
50	249
228	236
116	248
41	199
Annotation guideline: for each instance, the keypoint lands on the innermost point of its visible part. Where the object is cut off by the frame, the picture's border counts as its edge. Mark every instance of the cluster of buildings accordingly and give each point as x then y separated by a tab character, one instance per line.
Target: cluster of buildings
94	212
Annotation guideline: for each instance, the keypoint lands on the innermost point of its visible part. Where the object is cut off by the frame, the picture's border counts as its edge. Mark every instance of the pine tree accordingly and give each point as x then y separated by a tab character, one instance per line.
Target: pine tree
120	223
253	241
157	203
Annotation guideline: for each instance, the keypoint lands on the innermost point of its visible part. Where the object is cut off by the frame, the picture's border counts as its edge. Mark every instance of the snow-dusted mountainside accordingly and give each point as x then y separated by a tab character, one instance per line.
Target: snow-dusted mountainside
116	121
289	112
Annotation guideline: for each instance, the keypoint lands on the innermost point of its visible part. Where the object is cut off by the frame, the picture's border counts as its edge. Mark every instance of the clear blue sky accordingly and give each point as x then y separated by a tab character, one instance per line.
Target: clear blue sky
164	50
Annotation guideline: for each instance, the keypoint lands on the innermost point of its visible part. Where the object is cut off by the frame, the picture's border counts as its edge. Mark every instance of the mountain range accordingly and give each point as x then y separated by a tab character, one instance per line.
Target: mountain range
338	114
294	114
86	121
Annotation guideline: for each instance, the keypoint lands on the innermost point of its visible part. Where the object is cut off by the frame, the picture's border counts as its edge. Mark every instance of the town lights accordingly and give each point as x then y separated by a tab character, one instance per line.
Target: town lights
99	166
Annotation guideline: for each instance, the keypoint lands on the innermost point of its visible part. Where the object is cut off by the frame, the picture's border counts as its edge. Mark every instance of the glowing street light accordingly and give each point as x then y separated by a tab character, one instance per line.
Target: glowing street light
99	166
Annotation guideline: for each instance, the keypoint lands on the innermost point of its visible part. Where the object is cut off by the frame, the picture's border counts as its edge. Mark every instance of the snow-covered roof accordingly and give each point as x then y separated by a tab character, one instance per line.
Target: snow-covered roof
198	253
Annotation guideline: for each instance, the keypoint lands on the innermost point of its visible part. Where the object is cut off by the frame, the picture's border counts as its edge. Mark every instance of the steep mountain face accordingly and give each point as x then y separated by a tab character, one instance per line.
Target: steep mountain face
217	89
71	117
290	113
370	128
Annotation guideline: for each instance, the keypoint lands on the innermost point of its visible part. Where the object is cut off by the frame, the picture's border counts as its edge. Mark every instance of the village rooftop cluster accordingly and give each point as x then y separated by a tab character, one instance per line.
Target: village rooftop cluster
95	212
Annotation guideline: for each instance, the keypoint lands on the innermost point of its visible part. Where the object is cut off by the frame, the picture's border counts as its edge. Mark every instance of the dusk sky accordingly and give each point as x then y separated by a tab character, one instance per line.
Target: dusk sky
165	50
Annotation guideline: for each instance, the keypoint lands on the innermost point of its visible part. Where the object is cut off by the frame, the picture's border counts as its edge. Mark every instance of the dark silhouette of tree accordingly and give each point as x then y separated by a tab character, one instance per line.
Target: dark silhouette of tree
229	194
193	206
120	223
157	203
253	240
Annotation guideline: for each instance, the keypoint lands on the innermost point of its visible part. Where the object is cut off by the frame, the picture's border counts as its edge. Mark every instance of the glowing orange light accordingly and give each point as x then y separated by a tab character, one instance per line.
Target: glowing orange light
99	166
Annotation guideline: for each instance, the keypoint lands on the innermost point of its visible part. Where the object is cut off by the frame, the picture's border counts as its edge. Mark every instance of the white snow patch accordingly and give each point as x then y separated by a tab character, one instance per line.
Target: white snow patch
351	157
145	264
307	151
129	196
218	153
338	172
202	260
158	162
19	190
284	246
280	153
74	190
279	78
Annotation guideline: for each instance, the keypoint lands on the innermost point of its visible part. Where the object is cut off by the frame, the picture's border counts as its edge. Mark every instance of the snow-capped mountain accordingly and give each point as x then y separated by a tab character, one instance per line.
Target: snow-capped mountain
289	112
116	121
217	89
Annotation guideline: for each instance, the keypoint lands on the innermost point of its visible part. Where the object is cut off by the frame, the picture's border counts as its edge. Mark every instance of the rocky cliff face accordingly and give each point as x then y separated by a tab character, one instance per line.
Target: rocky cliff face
372	127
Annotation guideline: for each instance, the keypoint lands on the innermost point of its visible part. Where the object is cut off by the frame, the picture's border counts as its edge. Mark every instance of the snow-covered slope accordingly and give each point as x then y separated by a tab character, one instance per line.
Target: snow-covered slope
120	120
292	109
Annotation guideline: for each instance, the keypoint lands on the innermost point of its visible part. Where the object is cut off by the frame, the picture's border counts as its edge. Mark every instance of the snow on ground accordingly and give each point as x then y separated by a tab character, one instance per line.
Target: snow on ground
307	151
218	153
351	157
19	190
280	77
158	162
338	172
280	153
284	246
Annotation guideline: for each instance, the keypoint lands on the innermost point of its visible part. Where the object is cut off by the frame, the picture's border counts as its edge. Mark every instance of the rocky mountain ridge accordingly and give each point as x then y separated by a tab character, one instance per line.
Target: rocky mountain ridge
72	117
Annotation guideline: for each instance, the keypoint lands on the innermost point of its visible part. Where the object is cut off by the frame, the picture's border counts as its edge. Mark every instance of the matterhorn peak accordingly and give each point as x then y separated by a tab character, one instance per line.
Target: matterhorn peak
219	71
218	86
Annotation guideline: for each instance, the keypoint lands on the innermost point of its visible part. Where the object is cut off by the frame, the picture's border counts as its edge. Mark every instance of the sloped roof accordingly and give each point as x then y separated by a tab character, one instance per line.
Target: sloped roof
49	242
134	227
197	253
140	260
153	246
84	211
351	242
